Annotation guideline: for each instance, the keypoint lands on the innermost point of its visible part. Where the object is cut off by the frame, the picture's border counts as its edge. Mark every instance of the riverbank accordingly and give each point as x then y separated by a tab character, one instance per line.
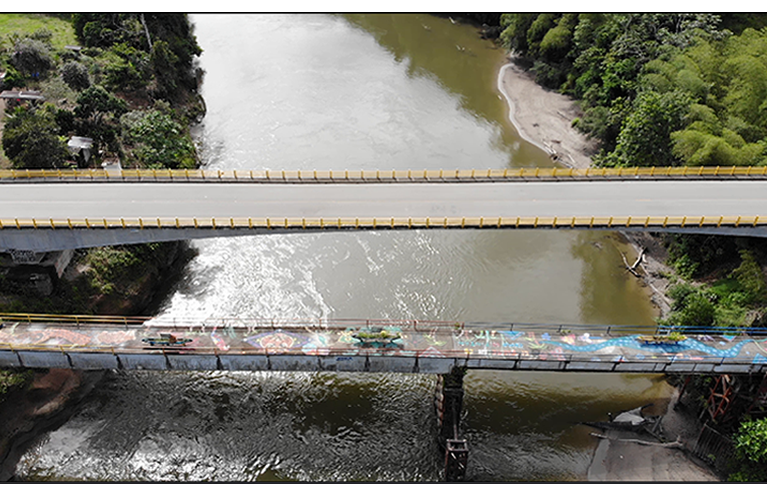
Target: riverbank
544	117
43	406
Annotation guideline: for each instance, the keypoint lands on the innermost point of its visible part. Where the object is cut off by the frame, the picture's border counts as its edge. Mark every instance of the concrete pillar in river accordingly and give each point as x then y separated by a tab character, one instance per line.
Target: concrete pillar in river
448	401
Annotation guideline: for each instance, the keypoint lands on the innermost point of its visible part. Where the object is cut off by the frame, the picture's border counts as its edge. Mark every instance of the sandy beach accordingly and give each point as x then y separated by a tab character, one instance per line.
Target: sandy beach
544	117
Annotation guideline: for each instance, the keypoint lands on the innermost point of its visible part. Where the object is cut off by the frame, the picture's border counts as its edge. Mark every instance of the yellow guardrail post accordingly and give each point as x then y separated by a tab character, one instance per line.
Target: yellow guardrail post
737	222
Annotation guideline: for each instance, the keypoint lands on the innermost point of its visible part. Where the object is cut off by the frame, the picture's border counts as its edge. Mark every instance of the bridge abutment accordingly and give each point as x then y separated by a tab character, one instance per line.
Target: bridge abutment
448	401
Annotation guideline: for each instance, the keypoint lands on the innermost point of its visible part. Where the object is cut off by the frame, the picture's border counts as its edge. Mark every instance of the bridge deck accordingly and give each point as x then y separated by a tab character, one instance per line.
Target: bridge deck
419	348
42	217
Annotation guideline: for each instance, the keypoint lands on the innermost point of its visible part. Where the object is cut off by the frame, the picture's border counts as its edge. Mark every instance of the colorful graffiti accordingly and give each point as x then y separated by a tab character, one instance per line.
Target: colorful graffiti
447	342
277	339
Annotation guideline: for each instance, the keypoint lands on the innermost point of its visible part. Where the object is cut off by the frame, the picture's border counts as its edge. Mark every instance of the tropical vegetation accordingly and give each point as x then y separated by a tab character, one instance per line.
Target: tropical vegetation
127	81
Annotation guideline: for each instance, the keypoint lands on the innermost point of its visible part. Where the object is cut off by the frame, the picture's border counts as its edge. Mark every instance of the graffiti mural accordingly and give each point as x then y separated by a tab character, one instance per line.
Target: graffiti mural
421	340
278	339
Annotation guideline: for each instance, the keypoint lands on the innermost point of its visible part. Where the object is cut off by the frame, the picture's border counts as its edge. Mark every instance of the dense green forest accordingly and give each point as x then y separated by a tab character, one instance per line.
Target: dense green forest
656	89
667	89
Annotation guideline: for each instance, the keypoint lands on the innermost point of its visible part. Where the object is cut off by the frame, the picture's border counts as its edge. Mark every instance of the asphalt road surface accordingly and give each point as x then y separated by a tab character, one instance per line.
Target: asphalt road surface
500	199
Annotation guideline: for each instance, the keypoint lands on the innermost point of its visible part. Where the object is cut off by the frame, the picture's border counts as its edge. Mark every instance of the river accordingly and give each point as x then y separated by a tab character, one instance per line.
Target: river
360	92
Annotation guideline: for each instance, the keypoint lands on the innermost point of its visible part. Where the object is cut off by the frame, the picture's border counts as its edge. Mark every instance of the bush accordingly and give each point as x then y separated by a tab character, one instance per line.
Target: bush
695	309
12	378
158	140
751	451
12	79
76	76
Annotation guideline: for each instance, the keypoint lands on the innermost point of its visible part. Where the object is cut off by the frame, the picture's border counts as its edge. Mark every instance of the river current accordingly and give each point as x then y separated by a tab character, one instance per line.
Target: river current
360	92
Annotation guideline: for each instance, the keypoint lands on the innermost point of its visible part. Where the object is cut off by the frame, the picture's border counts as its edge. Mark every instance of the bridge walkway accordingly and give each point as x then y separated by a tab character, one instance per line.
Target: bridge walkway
91	343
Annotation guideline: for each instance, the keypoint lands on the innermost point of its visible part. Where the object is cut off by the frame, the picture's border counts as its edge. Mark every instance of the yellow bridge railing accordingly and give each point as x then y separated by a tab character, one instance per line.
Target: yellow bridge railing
80	319
384	222
528	173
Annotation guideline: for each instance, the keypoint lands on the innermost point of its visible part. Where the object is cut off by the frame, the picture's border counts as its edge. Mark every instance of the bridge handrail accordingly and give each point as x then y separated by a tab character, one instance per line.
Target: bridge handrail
382	223
522	173
72	318
405	324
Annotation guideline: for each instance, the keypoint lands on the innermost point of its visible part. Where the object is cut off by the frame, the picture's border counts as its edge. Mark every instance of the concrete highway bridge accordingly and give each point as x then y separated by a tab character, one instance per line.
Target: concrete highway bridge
43	211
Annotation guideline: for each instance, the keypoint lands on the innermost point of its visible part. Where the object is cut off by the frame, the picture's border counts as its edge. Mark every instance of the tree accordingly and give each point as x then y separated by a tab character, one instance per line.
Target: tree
75	75
95	101
163	63
31	140
31	57
645	137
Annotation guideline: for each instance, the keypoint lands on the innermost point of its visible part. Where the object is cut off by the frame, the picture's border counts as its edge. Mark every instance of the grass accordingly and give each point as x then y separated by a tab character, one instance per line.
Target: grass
63	32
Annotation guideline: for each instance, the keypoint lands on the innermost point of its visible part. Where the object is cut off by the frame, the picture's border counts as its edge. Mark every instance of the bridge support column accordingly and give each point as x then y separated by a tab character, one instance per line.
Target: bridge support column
448	401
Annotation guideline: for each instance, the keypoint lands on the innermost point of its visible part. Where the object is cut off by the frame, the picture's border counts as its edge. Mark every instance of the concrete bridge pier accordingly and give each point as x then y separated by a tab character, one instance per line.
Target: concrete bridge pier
448	401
